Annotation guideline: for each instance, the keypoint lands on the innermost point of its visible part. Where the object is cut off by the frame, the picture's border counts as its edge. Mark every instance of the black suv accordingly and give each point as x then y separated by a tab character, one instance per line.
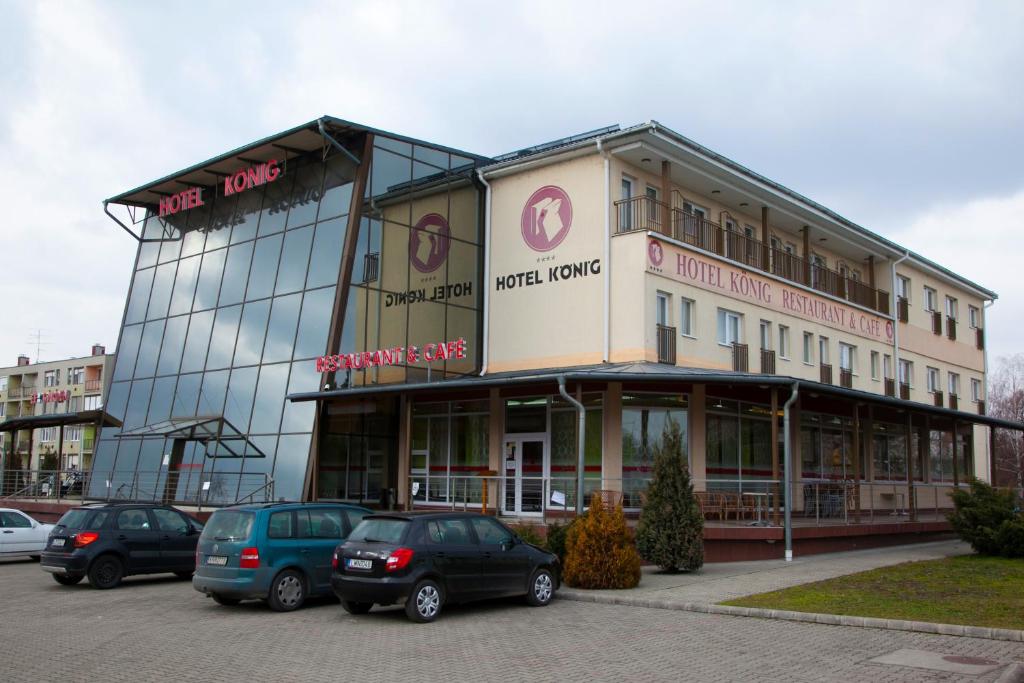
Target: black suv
110	541
427	560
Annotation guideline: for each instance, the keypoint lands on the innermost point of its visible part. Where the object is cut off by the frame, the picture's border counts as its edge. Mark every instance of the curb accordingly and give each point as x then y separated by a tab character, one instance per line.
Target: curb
806	617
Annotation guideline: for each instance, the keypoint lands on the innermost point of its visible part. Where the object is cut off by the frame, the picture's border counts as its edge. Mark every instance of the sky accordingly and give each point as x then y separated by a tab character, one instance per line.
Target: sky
907	118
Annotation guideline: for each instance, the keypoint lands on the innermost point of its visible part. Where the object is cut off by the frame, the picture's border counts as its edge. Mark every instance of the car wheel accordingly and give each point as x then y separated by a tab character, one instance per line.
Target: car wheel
106	572
66	579
223	600
184	575
356	607
424	603
288	591
542	588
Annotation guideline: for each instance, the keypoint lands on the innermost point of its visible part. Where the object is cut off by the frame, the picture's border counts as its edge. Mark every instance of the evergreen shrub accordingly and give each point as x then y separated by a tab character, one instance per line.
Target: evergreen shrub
600	552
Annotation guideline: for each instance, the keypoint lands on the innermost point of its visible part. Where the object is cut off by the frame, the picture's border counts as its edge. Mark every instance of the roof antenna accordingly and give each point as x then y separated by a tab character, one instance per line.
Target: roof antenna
38	338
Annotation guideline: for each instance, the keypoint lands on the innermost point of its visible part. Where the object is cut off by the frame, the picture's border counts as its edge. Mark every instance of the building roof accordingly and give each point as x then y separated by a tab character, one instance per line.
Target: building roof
650	372
84	417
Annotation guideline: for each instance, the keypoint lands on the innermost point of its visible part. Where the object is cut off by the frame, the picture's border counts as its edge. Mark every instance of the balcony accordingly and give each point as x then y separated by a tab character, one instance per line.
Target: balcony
937	396
88	442
954	402
93	386
903	309
767	362
666	344
740	357
644	213
979	338
981	407
826	373
846	378
890	387
24	391
937	323
951	328
904	391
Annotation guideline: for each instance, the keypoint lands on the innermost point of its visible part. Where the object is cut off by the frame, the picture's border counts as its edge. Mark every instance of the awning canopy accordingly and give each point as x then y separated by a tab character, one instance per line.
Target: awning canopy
85	417
201	428
654	372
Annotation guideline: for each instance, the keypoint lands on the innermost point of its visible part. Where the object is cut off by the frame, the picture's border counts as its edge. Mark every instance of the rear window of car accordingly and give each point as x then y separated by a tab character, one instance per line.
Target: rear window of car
383	530
75	519
229	525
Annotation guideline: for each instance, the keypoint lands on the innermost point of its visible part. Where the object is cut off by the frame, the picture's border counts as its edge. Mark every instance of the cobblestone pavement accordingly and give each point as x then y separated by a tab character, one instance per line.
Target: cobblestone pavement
158	628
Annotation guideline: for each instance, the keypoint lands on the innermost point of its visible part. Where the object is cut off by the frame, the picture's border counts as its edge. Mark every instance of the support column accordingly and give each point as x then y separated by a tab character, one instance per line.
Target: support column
611	442
765	241
404	454
775	458
856	463
869	457
666	199
807	255
911	503
956	449
60	458
495	448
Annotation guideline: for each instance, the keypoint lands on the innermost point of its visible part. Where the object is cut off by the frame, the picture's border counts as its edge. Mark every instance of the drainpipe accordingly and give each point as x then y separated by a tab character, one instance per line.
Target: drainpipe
787	489
896	323
989	455
487	271
606	356
581	433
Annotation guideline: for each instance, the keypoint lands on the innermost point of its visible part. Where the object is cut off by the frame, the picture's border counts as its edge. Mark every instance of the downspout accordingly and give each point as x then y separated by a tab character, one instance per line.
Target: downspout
787	489
989	455
485	342
896	323
606	355
581	434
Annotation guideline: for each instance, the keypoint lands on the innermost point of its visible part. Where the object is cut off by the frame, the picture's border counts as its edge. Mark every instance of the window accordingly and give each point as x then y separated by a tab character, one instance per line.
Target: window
783	341
76	375
93	403
931	299
51	378
823	356
3	383
975	390
954	384
818	267
847	356
73	433
686	317
951	307
3	407
169	520
730	326
490	531
933	381
280	525
662	308
887	366
698	211
321	524
874	365
906	372
903	287
14	520
766	335
133	520
973	316
808	348
449	532
625	215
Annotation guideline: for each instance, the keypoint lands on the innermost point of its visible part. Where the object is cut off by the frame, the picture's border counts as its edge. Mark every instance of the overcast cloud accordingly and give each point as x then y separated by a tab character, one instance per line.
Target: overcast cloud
904	117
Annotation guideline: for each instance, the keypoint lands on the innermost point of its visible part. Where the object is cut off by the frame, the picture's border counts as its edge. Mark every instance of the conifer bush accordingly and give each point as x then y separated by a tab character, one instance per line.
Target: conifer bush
600	552
671	529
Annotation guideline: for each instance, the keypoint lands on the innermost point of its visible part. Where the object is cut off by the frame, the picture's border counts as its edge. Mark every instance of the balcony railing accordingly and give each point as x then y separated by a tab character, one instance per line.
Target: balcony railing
937	396
767	362
904	391
936	323
846	378
93	386
826	373
666	344
903	309
890	387
951	327
645	213
954	402
87	444
979	335
740	357
981	407
24	391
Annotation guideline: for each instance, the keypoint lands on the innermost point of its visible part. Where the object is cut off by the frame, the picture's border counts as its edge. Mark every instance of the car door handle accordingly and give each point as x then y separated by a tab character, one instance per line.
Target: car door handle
440	554
304	550
487	555
122	537
166	537
8	531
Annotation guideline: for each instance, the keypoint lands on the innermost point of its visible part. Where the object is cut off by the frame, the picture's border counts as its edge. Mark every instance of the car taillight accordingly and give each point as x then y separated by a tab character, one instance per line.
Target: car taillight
250	558
85	538
334	560
398	559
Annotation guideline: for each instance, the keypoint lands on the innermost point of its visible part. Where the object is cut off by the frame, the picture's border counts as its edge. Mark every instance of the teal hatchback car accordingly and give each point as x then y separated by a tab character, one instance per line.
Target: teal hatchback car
278	552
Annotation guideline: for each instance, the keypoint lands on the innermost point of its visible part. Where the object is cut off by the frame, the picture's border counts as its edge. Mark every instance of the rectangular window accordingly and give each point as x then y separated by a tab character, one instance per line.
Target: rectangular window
847	356
931	299
933	381
954	384
823	356
730	326
51	378
783	341
661	308
951	307
93	403
625	215
903	287
76	375
975	390
693	209
906	372
808	348
766	335
887	366
874	365
686	317
3	383
973	316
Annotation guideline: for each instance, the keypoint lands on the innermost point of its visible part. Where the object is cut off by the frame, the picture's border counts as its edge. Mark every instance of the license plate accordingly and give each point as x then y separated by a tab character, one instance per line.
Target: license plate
359	564
57	543
217	560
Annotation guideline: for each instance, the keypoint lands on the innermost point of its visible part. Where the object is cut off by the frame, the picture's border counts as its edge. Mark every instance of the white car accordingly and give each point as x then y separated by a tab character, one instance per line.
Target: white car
21	535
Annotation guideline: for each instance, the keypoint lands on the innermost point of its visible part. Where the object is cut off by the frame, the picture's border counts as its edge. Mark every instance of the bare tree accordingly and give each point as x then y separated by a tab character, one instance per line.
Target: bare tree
1006	401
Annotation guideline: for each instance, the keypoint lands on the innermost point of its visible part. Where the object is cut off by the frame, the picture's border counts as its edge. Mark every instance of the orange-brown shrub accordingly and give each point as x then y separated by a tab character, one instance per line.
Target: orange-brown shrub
600	552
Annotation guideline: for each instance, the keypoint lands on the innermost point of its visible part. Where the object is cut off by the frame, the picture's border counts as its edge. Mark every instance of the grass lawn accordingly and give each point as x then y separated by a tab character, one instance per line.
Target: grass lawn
970	590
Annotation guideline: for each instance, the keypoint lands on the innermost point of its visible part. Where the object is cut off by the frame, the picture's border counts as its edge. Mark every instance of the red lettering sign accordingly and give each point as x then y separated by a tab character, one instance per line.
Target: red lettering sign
251	177
430	353
51	397
186	199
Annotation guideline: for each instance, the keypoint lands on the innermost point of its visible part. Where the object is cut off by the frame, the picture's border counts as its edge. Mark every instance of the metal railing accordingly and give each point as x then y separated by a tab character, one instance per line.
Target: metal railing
903	309
767	362
93	386
979	338
185	487
846	378
936	323
740	357
826	373
890	387
951	327
666	344
904	391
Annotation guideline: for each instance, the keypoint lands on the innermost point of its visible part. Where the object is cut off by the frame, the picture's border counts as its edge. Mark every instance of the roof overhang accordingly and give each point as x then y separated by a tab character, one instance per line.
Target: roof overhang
85	417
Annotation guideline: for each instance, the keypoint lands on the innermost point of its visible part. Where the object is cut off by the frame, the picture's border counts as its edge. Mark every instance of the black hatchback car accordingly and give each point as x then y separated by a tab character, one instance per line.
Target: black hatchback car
110	541
428	560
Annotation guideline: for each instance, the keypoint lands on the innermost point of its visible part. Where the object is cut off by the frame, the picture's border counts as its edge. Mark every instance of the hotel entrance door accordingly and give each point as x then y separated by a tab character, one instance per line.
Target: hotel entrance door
524	469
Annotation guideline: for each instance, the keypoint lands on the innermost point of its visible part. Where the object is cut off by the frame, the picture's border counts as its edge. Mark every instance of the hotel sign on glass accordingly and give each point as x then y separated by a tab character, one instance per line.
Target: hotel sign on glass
239	181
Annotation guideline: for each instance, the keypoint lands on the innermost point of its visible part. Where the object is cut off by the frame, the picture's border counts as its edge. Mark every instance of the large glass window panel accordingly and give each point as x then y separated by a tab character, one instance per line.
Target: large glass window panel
305	195
264	267
241	390
326	257
462	323
173	345
755	448
317	307
388	172
294	260
369	242
170	250
209	280
236	274
436	157
284	314
160	297
149	349
251	333
138	403
247	215
117	401
186	395
162	399
139	298
147	255
337	196
290	466
275	204
270	393
123	473
722	445
298	417
192	243
151	455
197	342
219	229
222	343
185	285
211	395
124	365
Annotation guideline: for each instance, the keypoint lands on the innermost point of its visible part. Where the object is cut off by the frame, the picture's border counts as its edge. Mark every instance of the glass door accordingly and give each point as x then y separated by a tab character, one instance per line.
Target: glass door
524	470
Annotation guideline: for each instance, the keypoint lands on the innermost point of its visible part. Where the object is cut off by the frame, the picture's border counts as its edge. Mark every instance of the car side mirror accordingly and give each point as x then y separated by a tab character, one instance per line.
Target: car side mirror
191	531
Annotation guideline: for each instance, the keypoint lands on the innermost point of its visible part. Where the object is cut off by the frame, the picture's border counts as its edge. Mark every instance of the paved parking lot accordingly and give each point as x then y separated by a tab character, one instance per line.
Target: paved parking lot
160	629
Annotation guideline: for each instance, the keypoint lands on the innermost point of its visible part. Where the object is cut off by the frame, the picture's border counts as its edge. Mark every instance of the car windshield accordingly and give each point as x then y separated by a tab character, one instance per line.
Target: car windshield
379	530
74	519
228	525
